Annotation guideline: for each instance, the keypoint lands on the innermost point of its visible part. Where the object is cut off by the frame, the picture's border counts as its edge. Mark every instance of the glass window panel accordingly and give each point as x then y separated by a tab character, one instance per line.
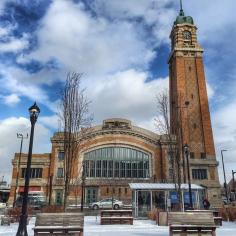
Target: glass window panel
119	162
117	169
60	173
98	169
86	164
104	168
122	166
134	170
110	168
92	168
199	174
60	156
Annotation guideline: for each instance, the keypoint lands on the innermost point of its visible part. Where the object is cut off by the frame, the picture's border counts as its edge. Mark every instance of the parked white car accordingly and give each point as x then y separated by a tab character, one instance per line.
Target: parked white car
2	205
106	203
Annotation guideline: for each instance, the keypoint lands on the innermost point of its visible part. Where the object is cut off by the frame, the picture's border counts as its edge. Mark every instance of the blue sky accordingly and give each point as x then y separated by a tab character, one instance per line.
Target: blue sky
121	47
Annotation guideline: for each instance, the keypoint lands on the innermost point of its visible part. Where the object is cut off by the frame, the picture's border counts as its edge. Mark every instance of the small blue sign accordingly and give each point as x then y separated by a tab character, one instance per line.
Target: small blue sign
186	197
173	197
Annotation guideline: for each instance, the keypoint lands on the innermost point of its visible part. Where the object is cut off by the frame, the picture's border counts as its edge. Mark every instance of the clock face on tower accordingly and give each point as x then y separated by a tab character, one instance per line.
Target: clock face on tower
187	35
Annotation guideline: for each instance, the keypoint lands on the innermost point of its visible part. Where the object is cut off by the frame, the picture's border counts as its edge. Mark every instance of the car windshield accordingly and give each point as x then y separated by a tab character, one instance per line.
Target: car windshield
108	200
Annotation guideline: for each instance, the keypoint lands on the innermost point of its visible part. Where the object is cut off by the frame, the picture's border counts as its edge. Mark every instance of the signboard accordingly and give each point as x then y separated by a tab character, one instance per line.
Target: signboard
173	197
186	197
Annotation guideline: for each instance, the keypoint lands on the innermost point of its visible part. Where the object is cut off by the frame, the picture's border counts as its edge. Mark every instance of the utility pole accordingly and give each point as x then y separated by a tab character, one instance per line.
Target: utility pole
225	184
234	172
22	137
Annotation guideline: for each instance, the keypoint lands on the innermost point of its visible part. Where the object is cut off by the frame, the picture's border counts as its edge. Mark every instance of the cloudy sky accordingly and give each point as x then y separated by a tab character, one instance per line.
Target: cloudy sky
121	47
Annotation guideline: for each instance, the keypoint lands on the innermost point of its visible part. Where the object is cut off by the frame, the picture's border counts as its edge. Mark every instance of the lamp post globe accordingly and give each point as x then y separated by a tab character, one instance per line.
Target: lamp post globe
34	113
22	229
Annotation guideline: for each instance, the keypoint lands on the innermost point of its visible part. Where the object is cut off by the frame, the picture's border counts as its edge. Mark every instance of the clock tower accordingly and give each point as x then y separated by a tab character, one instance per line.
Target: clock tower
189	109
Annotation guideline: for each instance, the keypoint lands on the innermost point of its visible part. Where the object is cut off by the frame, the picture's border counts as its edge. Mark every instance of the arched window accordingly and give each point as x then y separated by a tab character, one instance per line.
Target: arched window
116	162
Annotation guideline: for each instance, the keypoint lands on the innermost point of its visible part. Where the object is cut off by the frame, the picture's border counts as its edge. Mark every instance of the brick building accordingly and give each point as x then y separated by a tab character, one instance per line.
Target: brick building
117	153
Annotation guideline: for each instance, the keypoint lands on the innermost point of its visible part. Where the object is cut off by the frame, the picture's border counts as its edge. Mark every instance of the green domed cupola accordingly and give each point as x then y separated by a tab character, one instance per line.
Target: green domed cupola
181	18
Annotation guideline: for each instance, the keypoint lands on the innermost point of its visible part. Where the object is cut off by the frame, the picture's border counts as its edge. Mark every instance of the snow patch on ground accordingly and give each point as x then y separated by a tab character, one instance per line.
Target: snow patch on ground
92	227
11	230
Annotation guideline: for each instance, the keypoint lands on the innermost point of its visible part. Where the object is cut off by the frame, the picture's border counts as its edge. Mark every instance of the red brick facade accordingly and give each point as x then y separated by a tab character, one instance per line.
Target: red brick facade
99	136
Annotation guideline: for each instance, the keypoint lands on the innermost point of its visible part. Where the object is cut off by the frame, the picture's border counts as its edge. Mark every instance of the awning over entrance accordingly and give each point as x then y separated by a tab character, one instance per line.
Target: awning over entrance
161	186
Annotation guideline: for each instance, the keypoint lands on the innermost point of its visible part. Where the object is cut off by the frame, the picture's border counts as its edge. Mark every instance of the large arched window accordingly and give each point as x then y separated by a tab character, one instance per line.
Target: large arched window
116	162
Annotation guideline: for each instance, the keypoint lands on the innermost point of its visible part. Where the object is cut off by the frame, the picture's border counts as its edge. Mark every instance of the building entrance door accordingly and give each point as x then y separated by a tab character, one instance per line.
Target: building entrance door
144	203
91	195
58	197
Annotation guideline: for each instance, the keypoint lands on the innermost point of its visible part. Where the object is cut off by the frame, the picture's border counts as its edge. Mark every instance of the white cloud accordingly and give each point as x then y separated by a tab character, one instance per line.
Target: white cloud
224	127
210	91
126	94
93	46
2	5
148	124
30	90
51	122
11	99
14	44
155	13
22	83
10	144
212	18
4	31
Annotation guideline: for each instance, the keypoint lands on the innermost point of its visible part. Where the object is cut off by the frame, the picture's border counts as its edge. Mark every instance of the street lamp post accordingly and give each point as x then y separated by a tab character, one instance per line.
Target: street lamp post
21	136
186	104
225	184
186	151
22	229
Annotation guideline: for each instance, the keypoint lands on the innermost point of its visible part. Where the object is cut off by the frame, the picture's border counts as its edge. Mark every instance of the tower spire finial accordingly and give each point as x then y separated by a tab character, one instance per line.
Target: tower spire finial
181	13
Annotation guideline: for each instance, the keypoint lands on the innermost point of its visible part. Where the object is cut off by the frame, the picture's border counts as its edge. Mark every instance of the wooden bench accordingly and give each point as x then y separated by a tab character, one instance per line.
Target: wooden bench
217	218
59	224
116	217
5	220
216	215
187	223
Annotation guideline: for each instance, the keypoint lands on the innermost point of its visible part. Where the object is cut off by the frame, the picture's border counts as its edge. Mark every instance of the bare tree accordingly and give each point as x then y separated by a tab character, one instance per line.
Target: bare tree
76	182
76	121
163	126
